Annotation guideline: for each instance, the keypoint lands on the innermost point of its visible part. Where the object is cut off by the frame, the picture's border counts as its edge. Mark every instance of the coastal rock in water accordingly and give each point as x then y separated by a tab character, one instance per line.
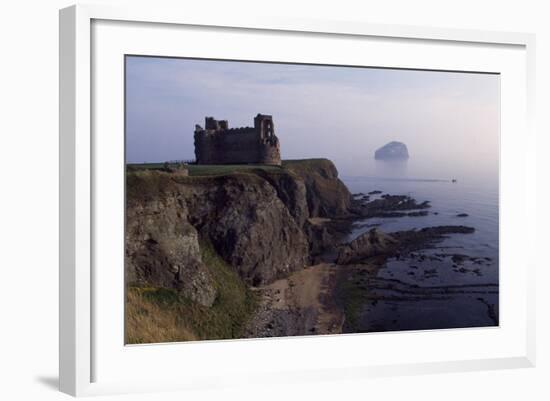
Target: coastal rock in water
375	242
426	237
387	205
392	151
371	243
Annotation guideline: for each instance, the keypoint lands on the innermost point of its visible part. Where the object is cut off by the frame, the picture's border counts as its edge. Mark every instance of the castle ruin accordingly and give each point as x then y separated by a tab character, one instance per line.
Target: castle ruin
216	143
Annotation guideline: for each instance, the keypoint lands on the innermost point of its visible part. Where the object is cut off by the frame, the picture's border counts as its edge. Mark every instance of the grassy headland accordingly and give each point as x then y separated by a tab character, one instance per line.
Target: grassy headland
302	165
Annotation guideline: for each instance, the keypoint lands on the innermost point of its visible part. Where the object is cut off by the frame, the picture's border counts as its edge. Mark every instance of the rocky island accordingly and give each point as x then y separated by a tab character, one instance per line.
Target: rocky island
392	151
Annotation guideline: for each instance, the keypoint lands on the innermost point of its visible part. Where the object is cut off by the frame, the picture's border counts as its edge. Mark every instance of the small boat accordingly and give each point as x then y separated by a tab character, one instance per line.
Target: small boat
453	180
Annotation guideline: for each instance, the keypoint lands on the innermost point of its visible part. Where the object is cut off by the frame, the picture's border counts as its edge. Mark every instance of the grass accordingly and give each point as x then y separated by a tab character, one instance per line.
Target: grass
146	184
206	170
148	321
150	184
163	315
351	296
201	170
309	167
304	163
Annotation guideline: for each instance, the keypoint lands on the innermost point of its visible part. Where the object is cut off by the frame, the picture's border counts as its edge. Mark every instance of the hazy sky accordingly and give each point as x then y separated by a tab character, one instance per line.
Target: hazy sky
447	120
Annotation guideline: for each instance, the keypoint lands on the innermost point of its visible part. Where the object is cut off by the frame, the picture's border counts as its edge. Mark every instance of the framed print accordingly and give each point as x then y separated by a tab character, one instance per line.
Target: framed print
275	200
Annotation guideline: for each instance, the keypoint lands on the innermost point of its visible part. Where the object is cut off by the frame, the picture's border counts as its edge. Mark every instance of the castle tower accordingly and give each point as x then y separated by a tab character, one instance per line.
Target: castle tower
210	123
264	125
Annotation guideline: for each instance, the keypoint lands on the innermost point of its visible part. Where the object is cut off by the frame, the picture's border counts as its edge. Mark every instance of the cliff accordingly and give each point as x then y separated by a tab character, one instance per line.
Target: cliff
257	220
327	196
237	251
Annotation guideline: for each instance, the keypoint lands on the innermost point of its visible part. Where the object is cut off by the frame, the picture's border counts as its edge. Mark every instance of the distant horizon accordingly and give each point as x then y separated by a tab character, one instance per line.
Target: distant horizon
446	119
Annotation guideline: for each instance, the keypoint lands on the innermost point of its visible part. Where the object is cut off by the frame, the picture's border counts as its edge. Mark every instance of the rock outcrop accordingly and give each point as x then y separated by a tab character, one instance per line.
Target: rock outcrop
377	243
392	151
291	190
388	206
411	240
372	243
248	225
327	195
162	249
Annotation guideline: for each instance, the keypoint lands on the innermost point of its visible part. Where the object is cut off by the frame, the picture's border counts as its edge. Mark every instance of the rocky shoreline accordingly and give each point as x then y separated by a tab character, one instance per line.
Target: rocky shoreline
356	261
284	231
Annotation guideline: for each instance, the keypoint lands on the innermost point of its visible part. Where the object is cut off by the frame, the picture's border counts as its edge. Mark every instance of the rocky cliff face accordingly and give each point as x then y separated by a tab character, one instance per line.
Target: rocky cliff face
327	196
291	190
162	249
247	223
256	221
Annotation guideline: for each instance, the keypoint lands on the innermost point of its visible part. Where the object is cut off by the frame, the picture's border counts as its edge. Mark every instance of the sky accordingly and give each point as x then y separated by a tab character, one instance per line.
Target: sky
449	121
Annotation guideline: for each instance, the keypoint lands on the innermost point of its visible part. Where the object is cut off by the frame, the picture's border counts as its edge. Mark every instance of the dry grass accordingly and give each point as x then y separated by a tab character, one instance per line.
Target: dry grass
155	315
204	169
148	322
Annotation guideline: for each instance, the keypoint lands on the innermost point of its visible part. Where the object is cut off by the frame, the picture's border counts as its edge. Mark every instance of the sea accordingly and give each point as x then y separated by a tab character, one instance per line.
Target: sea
454	284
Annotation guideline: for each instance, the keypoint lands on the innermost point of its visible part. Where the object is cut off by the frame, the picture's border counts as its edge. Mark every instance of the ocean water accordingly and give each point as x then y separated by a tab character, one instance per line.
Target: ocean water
444	292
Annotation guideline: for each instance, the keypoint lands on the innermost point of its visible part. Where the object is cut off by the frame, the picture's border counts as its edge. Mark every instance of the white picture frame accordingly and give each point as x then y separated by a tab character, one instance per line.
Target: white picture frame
79	317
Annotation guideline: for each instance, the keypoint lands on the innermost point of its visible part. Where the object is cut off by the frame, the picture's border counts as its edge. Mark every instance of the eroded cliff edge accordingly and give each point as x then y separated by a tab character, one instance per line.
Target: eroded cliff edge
263	223
258	251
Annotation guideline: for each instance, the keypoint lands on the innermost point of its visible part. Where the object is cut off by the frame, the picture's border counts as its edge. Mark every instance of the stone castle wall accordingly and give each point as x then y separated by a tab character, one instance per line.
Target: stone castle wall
247	145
